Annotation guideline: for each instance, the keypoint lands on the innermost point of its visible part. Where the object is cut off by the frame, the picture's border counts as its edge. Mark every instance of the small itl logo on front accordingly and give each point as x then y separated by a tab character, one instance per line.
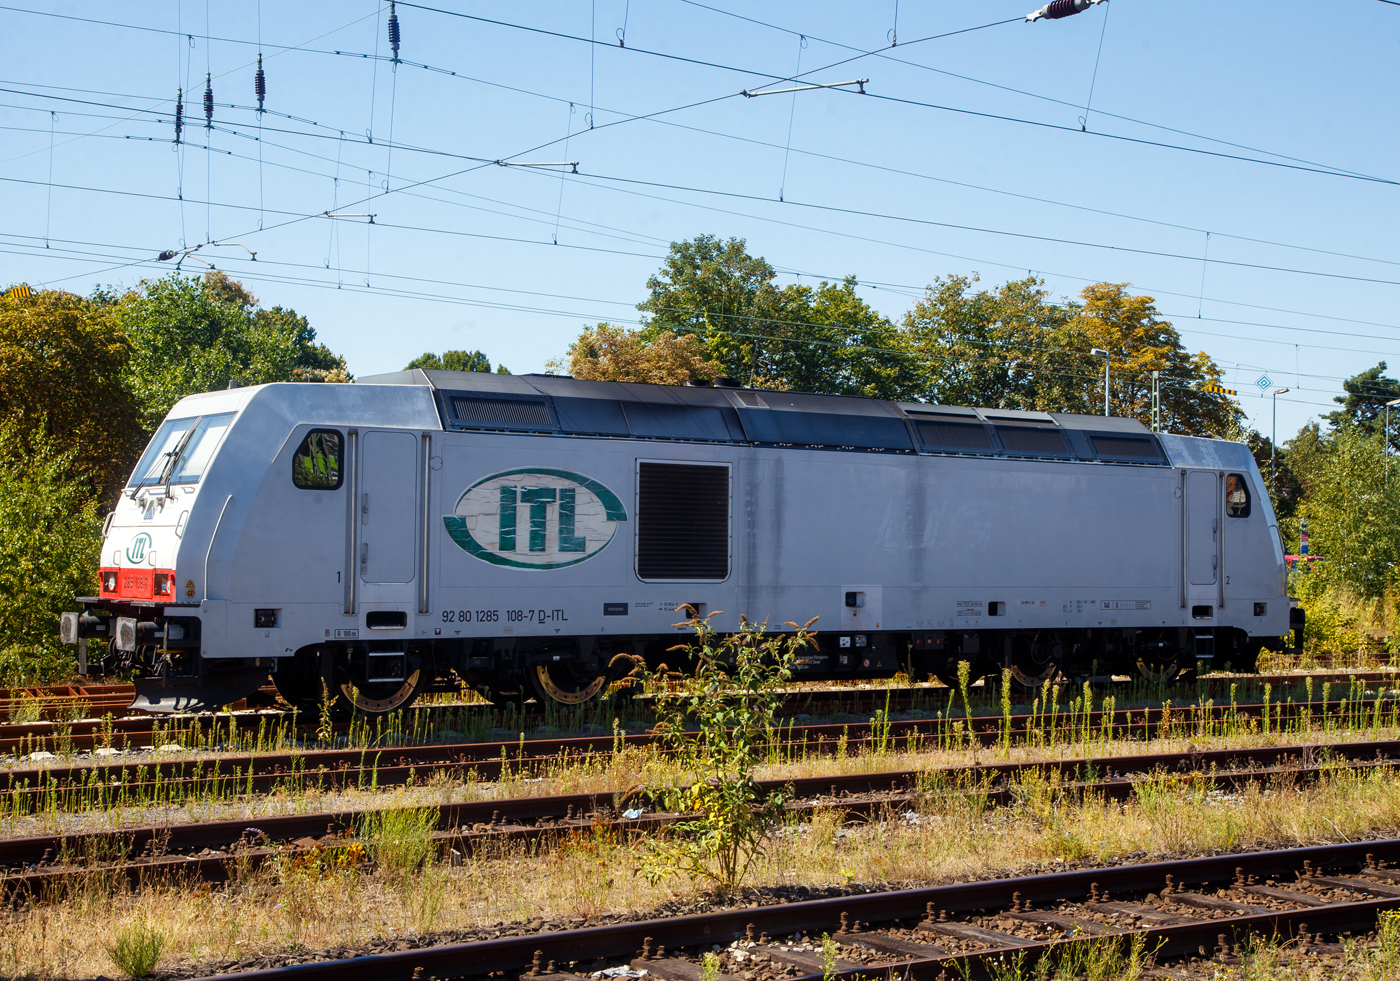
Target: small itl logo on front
136	551
535	518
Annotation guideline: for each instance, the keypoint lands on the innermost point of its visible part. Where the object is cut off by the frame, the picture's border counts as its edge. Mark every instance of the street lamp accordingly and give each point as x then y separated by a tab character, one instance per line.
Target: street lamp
1273	442
1387	437
1099	352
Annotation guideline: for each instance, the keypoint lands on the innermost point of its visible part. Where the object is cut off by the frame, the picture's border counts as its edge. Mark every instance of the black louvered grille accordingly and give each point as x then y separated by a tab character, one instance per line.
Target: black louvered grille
518	411
1033	439
1133	447
682	522
955	435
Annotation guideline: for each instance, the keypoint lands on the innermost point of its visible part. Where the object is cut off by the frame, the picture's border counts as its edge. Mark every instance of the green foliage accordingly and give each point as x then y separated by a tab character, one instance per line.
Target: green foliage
50	536
717	720
1005	348
829	952
400	840
1012	347
196	334
1353	510
718	292
137	947
61	380
454	361
1363	406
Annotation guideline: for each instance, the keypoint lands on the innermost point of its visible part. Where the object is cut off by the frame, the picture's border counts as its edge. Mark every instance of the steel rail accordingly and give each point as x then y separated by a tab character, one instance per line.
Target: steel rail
513	955
86	733
46	859
348	767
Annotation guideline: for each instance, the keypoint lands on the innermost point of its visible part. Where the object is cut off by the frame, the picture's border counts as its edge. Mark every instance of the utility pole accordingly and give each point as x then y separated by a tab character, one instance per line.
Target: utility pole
1156	402
1099	352
1273	442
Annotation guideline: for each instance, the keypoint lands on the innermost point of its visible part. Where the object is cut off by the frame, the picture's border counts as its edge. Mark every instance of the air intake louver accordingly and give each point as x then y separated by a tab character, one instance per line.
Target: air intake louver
682	522
955	435
524	412
1128	447
1033	439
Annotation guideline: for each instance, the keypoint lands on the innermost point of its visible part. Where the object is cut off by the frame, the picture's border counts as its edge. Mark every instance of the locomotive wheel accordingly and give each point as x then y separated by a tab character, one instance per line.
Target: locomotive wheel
560	683
1034	661
1160	670
1162	665
376	699
299	683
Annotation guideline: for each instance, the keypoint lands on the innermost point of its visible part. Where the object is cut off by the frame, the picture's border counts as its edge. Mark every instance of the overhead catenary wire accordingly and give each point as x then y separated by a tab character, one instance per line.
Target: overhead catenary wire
887	56
1309	166
209	196
1088	279
1062	274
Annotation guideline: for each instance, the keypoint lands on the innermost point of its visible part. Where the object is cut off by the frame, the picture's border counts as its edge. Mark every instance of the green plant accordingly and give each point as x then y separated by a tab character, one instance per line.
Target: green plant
26	708
400	840
325	729
137	948
964	679
709	966
716	720
829	950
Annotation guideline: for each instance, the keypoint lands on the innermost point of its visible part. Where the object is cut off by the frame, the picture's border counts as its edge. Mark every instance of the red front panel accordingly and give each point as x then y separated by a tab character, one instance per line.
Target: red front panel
137	584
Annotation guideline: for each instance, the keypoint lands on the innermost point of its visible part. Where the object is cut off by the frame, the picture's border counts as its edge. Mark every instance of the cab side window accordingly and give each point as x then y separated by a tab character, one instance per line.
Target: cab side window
1236	496
316	464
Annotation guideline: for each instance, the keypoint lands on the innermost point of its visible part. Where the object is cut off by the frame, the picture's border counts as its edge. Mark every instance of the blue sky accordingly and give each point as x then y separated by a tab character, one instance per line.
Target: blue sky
966	157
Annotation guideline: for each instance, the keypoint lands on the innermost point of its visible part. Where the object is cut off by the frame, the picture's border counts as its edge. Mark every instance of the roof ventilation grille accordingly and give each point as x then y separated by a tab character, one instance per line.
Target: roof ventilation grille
472	409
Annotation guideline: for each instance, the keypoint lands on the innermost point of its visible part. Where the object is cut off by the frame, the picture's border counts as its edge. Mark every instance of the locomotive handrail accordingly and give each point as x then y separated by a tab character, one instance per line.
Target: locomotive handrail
213	538
427	527
352	464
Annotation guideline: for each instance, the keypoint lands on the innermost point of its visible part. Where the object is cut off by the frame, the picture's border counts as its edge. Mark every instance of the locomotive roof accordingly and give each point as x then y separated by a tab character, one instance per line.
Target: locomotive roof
558	404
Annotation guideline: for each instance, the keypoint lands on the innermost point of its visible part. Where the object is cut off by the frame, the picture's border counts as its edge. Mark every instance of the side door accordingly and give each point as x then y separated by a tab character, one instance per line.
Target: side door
387	514
1202	535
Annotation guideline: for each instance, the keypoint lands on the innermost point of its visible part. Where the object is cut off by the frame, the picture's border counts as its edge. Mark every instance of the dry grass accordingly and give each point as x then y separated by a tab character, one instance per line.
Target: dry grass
303	905
635	766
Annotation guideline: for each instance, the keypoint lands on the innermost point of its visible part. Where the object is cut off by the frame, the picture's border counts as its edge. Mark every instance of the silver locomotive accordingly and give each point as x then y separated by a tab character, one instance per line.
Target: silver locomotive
415	531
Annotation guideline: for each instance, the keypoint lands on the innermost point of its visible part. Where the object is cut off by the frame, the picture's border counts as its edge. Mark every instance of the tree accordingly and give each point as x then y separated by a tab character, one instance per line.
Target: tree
1285	487
50	535
1364	402
1140	342
455	361
721	294
62	360
195	334
608	353
1353	510
1009	348
829	340
814	339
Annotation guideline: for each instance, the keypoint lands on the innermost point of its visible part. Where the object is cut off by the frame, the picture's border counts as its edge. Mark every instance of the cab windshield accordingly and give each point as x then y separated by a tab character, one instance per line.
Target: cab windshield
181	450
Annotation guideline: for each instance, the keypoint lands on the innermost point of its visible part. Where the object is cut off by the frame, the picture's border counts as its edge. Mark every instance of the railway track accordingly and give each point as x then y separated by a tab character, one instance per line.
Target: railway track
1201	908
99	784
212	850
28	714
133	731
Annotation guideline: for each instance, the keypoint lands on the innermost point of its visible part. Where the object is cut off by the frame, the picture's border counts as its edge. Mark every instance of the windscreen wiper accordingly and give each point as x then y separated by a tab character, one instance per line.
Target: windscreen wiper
172	458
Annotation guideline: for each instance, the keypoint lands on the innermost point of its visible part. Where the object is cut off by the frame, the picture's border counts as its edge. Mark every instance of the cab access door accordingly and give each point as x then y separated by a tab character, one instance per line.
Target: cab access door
1202	539
387	514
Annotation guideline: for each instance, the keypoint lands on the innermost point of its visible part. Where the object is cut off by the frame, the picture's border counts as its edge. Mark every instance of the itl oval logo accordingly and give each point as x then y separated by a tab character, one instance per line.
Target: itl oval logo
535	518
136	551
